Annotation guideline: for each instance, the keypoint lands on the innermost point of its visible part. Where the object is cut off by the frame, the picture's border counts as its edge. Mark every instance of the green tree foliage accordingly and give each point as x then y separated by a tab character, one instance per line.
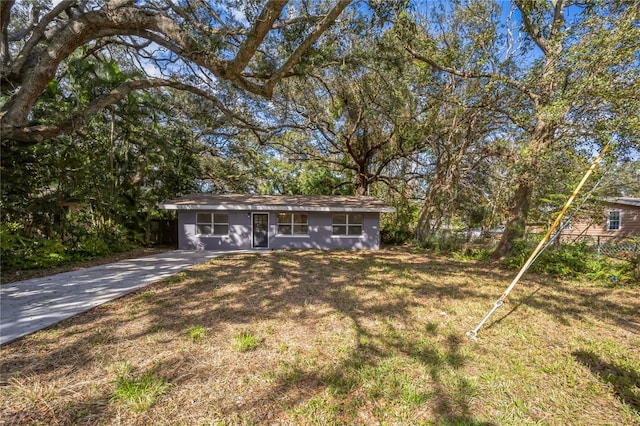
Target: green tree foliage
357	118
92	192
194	44
556	61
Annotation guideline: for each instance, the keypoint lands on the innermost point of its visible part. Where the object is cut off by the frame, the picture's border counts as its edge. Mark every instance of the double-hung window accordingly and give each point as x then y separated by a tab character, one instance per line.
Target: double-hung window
614	220
347	224
293	224
212	224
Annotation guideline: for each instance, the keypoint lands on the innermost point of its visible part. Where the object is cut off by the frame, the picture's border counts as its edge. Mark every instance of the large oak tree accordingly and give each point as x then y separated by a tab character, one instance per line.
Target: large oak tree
196	43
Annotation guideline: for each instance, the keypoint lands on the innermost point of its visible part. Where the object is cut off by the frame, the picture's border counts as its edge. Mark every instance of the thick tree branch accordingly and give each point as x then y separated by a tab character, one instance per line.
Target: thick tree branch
468	75
531	29
558	18
38	62
39	132
261	27
38	35
5	14
34	15
224	30
306	44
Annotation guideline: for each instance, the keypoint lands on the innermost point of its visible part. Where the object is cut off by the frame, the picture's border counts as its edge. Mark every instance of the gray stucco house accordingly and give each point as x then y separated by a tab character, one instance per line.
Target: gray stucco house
241	222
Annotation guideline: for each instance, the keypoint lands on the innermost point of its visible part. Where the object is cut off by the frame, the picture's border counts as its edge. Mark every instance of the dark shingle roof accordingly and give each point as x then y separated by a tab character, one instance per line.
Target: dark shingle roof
277	202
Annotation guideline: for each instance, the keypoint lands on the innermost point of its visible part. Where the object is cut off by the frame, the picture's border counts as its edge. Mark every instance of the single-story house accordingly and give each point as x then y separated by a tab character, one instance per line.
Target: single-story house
620	219
240	222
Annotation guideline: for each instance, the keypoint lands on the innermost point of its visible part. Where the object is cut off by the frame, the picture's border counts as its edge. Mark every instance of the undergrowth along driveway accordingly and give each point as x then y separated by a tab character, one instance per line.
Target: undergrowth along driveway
308	337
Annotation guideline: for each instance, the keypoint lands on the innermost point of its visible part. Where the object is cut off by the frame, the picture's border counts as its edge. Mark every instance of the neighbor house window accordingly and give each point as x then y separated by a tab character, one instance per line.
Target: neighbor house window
347	224
293	224
614	220
212	223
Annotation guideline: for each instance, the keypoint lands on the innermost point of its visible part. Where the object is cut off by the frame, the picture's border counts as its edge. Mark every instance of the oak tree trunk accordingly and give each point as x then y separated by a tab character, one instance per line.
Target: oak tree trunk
541	141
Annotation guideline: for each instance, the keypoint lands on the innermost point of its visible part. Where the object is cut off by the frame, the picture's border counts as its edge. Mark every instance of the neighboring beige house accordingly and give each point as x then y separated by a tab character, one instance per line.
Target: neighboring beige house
620	220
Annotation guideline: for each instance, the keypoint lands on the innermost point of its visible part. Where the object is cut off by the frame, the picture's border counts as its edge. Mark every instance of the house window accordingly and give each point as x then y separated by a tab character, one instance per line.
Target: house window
347	224
212	223
614	220
293	224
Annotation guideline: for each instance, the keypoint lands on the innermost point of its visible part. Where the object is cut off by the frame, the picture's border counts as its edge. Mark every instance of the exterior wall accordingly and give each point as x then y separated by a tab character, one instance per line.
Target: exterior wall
239	238
320	234
629	224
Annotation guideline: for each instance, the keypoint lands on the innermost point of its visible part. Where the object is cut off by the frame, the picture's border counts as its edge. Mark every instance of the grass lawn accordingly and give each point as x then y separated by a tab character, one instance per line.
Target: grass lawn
308	337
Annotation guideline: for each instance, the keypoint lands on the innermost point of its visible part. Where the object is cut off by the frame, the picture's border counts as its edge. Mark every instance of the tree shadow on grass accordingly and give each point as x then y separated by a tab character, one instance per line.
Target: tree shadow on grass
568	302
524	300
376	295
625	381
373	372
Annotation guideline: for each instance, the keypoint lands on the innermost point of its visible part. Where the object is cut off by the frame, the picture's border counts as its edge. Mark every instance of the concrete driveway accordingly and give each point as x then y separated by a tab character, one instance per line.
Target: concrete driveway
31	305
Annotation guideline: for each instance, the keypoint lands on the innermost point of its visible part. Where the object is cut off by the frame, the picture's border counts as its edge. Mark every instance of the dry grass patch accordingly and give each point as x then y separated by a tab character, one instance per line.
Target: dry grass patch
336	338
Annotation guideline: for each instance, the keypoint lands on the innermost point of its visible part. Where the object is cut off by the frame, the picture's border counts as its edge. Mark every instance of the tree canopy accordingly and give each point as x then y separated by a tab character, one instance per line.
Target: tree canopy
253	50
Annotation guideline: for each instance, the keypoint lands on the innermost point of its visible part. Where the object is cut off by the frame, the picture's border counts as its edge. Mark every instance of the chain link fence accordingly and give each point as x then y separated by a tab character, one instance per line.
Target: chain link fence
606	245
602	245
607	248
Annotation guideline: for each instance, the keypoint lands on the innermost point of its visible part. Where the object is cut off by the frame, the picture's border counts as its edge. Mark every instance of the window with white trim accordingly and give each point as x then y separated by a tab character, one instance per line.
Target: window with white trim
614	220
293	224
212	224
347	224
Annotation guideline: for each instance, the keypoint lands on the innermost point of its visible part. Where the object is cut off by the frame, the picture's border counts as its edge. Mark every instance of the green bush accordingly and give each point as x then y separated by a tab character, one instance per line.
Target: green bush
22	252
448	243
19	251
519	254
48	253
390	235
92	246
396	228
573	260
473	254
13	245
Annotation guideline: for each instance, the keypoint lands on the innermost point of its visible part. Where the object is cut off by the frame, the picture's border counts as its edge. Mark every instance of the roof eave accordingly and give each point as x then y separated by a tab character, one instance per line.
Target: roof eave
632	202
259	207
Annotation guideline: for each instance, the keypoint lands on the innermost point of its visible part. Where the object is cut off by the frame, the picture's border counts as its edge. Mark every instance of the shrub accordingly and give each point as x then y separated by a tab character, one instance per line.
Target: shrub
48	253
574	260
473	254
92	246
396	228
445	243
22	252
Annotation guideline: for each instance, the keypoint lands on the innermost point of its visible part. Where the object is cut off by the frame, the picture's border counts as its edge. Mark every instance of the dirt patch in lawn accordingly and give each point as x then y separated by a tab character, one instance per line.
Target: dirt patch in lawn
308	337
